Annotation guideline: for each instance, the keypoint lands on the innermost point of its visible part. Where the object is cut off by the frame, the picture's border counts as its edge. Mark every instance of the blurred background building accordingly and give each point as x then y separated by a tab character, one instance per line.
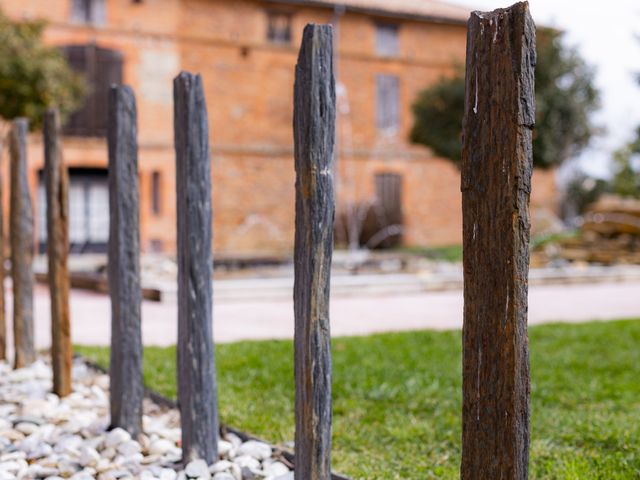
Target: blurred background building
389	191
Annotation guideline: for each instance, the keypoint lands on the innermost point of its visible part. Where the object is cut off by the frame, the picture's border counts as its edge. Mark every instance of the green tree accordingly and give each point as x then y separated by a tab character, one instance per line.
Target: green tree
565	98
625	181
33	76
635	145
580	192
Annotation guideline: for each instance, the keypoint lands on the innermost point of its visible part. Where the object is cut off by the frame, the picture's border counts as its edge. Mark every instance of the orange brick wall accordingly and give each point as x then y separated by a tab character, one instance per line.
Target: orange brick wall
249	84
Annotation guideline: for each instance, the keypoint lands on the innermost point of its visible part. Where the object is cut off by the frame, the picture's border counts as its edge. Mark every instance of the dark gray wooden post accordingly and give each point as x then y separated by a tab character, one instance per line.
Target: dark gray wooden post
197	392
127	389
57	184
496	183
3	318
22	247
314	135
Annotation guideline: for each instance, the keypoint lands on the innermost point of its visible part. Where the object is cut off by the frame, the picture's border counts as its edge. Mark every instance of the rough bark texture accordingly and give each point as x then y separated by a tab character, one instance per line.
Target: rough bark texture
22	247
496	183
57	185
3	318
197	392
127	389
314	136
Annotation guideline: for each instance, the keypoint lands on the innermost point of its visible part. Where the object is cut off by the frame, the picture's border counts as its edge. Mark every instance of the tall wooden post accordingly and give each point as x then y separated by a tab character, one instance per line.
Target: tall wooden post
3	318
197	392
57	184
22	247
496	183
314	135
127	390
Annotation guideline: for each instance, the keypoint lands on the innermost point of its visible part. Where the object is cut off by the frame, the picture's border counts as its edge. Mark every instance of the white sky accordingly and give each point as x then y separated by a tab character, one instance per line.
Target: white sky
607	34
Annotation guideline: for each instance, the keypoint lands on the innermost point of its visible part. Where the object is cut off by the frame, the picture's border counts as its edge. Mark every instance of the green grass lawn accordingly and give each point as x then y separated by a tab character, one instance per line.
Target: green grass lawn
397	399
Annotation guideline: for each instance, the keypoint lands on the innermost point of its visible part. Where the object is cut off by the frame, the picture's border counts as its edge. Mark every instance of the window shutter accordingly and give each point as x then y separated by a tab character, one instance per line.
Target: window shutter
279	27
387	44
79	13
101	68
77	57
387	103
98	12
89	11
108	72
389	196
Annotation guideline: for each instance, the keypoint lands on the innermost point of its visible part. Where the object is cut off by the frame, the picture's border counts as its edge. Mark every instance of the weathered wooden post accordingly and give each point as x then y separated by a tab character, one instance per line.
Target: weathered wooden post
3	318
22	247
197	392
127	389
57	185
314	136
496	182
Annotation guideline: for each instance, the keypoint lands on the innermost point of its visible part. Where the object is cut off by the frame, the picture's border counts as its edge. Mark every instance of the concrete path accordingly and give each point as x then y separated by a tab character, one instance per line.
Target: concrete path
350	315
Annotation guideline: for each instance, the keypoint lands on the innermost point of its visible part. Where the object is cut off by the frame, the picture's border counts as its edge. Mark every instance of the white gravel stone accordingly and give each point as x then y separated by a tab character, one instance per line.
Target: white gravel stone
109	453
255	449
197	469
46	437
247	461
224	447
116	436
286	476
89	456
221	466
10	466
161	446
41	450
26	427
223	476
235	440
67	467
130	448
167	474
82	476
251	474
275	469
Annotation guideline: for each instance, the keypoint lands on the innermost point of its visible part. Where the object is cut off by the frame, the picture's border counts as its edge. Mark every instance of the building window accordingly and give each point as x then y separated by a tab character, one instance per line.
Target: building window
88	210
156	186
89	11
279	27
387	44
101	68
387	103
388	205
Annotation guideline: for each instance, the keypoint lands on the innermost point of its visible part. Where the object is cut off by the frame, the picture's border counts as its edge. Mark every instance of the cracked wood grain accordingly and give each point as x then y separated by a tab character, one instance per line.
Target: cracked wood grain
126	390
197	390
314	137
57	194
496	184
22	246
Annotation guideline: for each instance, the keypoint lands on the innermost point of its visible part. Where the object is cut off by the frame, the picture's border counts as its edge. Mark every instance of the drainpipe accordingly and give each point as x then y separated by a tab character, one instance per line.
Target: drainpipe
338	11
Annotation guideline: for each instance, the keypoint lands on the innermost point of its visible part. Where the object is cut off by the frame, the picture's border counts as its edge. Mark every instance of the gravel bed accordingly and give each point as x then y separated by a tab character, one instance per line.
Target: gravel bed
45	437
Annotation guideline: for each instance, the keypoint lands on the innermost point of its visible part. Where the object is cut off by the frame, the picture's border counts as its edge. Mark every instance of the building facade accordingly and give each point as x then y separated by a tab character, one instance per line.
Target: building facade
386	52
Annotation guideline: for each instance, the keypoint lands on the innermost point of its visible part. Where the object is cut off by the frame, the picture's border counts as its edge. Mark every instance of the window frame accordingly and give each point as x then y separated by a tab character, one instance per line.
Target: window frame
156	193
101	68
387	103
89	12
271	38
383	46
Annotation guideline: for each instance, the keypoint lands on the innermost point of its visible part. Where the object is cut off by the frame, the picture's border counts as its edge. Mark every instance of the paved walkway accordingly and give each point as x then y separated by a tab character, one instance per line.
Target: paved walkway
350	315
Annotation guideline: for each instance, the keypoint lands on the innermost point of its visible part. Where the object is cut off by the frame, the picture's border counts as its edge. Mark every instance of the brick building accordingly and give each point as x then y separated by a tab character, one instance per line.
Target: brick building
386	51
